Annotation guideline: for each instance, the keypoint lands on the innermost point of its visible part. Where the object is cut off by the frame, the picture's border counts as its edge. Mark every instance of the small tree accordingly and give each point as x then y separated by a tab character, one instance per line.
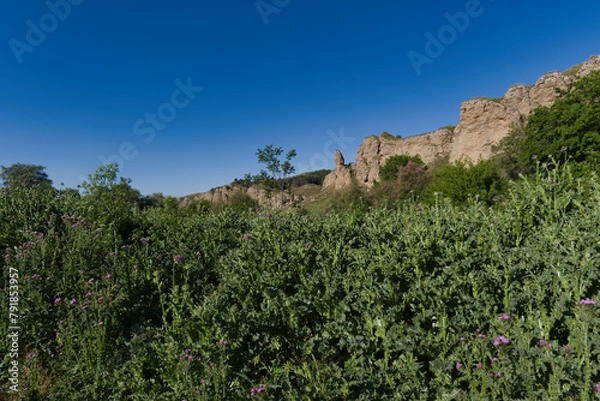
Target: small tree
24	175
277	168
389	171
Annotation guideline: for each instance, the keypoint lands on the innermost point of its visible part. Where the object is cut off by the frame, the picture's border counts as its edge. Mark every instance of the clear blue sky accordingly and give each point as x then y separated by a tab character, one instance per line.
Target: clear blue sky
89	88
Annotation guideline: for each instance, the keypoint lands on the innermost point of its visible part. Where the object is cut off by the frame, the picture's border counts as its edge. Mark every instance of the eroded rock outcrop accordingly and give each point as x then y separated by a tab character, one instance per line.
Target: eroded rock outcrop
341	176
483	123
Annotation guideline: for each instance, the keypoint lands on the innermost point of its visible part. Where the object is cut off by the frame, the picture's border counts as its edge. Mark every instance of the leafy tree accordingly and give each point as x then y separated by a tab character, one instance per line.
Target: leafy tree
507	154
110	199
24	175
277	168
570	127
389	171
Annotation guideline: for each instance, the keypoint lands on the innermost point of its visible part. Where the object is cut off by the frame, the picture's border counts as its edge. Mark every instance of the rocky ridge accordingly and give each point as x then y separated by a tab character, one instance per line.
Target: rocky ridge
483	123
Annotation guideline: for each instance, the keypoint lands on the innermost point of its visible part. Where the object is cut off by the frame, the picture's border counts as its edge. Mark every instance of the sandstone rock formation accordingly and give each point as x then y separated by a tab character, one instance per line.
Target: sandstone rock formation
225	193
483	123
340	177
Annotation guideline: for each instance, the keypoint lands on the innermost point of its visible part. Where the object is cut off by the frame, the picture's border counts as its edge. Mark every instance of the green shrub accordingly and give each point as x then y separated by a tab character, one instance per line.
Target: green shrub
462	180
389	171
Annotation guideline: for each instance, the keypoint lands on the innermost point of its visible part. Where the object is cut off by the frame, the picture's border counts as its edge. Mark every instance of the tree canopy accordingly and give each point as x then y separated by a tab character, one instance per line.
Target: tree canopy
24	175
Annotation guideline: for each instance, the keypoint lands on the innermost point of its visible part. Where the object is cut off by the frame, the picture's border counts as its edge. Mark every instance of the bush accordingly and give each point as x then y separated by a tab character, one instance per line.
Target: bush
461	180
389	171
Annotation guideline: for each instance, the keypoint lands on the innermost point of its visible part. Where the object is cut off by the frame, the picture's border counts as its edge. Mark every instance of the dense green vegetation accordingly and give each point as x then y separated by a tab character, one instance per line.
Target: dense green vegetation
120	302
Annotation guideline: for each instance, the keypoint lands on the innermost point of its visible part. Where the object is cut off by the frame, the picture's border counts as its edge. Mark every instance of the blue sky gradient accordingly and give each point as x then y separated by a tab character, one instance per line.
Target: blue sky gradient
301	75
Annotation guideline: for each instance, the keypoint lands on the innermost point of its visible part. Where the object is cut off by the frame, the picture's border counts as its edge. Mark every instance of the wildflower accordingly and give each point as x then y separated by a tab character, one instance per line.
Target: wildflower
268	214
542	343
495	359
85	307
501	340
459	365
57	300
187	351
73	301
596	387
563	148
31	355
246	236
100	323
481	336
587	301
90	281
462	339
100	299
89	294
307	245
108	276
567	348
478	365
179	258
533	157
499	374
223	342
504	317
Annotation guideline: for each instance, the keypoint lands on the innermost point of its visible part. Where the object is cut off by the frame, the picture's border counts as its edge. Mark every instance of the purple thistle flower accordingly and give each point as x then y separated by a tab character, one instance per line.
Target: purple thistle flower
459	365
501	340
478	365
73	301
563	148
587	301
57	300
179	258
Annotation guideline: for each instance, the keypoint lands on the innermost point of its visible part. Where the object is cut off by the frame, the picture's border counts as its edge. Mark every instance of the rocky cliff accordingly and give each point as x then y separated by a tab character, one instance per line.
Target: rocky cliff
227	192
483	123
